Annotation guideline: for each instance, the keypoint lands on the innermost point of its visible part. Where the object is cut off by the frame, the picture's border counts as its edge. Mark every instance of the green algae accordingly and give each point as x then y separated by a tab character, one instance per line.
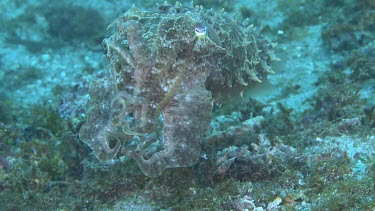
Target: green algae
347	195
5	110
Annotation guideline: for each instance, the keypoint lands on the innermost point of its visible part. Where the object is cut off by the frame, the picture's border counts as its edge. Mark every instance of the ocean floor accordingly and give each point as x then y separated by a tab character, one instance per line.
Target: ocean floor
303	140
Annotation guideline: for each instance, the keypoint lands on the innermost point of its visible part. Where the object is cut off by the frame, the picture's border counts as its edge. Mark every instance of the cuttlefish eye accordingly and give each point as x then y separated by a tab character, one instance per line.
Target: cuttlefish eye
200	31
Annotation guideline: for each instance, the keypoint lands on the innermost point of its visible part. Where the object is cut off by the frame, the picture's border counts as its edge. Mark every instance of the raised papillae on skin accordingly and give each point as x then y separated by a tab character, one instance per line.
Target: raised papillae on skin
163	76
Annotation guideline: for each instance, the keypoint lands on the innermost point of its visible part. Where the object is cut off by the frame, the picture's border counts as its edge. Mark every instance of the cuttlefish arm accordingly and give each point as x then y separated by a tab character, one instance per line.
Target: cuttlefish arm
186	118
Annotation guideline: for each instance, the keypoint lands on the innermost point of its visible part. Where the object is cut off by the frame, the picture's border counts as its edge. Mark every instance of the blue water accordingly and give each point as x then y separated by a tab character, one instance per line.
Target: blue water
303	139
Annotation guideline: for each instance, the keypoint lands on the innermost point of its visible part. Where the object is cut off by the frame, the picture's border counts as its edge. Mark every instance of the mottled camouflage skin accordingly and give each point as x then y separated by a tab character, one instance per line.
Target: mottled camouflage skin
159	67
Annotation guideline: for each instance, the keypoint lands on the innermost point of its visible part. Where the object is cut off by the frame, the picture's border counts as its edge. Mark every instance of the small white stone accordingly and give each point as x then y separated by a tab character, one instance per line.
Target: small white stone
46	57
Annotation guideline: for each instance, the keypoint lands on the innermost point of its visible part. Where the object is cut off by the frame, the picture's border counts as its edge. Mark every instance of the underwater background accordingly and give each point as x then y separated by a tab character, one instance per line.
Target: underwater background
303	140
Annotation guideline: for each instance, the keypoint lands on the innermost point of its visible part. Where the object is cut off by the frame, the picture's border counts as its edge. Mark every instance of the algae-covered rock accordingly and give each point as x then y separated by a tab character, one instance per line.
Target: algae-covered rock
166	63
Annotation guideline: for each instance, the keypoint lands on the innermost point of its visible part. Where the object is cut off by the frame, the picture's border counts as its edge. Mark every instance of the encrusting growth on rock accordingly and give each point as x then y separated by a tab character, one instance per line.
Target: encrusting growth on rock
166	63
